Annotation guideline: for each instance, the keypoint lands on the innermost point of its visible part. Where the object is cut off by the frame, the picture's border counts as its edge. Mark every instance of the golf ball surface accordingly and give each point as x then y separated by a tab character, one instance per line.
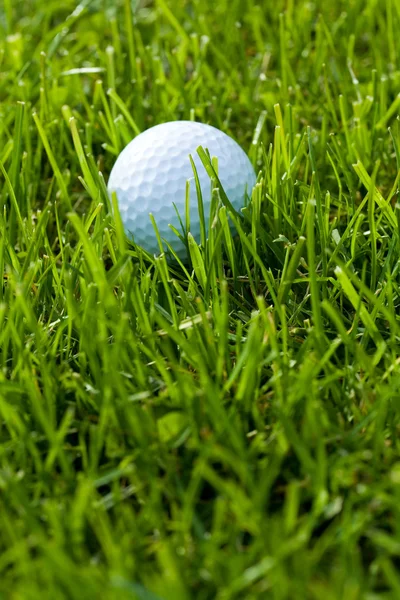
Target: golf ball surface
150	176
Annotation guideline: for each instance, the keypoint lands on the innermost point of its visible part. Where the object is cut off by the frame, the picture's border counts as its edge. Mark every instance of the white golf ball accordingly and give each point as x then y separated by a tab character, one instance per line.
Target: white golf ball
150	176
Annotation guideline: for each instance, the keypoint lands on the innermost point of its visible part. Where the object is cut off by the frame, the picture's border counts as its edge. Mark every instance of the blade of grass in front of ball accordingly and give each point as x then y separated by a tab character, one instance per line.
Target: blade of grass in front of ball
200	205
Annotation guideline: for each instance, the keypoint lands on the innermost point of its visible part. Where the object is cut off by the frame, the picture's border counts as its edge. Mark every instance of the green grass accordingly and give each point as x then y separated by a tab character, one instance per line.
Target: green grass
228	429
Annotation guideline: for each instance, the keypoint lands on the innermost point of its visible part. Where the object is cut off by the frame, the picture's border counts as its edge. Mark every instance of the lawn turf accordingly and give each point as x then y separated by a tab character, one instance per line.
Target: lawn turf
226	429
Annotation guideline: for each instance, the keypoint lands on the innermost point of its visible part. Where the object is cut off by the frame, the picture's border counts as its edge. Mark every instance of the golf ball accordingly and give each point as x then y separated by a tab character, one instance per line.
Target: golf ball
150	176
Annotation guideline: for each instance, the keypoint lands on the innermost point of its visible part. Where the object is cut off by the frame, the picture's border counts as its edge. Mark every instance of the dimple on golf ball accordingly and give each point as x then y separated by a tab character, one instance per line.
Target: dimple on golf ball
150	176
